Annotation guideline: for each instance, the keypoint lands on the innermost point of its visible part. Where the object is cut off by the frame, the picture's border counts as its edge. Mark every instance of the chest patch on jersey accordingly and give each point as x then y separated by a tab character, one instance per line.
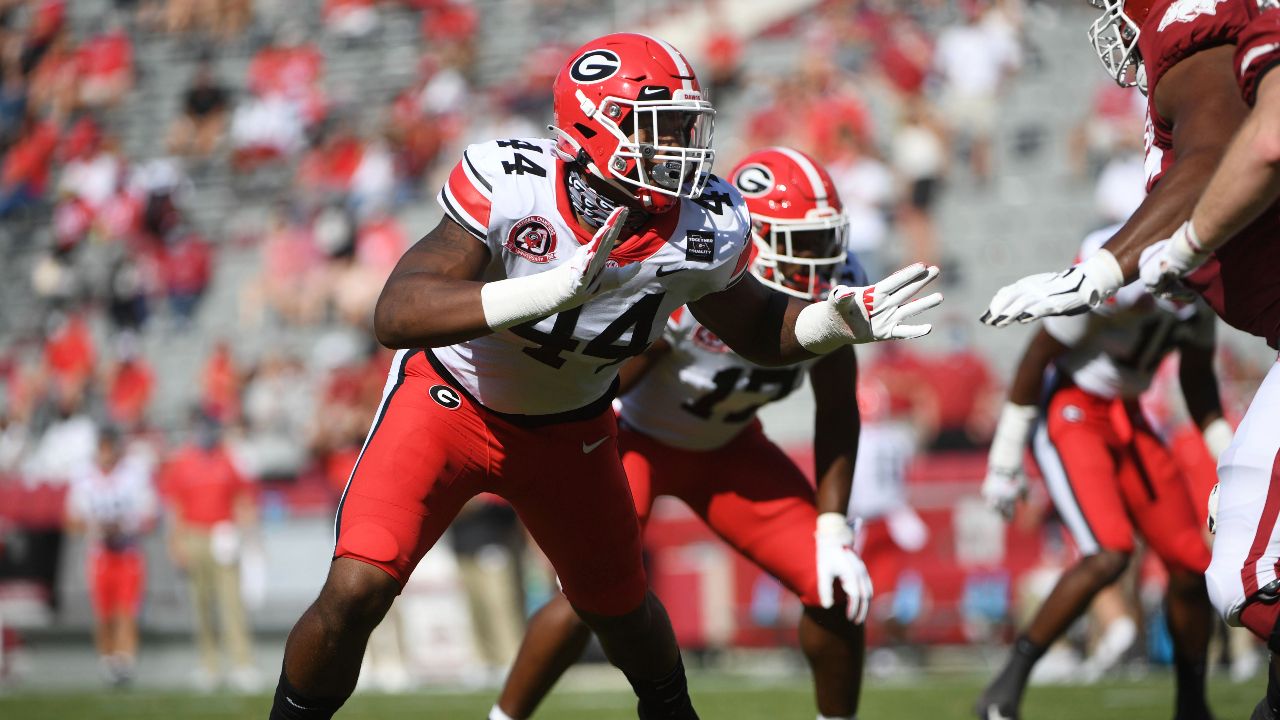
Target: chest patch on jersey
707	340
533	239
700	246
1187	10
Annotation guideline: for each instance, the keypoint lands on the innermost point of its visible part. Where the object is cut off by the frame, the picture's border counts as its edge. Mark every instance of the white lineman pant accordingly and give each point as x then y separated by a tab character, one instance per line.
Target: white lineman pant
1246	548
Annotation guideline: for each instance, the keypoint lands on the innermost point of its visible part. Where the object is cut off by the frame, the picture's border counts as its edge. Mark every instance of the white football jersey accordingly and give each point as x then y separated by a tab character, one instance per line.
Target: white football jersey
885	450
511	195
701	395
1117	348
123	498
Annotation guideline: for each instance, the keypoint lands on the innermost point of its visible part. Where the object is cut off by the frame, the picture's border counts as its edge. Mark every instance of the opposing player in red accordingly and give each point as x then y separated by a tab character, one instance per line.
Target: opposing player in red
1186	51
113	502
688	429
556	261
1108	473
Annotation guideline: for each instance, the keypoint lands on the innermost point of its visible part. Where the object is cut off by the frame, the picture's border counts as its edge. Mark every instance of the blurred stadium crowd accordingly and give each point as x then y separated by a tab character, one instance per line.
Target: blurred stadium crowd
198	211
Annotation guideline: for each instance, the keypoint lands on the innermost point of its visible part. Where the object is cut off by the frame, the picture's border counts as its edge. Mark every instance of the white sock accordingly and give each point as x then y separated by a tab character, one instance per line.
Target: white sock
845	717
497	714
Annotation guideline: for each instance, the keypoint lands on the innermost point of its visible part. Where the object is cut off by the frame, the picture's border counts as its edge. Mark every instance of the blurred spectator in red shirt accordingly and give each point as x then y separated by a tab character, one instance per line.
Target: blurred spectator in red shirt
197	130
69	352
24	176
129	385
55	77
451	25
290	281
187	267
723	51
291	68
905	55
220	386
212	510
106	68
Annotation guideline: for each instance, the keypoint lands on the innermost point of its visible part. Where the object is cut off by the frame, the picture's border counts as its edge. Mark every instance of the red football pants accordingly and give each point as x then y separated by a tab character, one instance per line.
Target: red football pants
431	450
116	579
748	492
1109	475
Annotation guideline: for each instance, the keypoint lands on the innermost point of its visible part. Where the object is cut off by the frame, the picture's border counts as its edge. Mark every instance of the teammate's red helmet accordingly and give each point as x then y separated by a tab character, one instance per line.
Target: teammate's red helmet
1115	38
629	109
798	222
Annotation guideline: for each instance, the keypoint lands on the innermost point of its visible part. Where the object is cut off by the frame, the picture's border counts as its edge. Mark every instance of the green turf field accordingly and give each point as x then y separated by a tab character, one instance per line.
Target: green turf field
718	698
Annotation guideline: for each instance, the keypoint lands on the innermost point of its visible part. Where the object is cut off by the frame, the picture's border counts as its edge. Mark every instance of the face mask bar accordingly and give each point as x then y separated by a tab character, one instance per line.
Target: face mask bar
778	250
675	170
1115	39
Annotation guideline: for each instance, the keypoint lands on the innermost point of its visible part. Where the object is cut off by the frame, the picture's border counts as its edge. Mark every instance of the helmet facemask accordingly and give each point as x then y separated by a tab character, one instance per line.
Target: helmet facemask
1114	36
800	257
664	146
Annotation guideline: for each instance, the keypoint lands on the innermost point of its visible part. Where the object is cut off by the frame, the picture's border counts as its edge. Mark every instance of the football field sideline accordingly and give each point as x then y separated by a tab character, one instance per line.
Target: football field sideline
718	697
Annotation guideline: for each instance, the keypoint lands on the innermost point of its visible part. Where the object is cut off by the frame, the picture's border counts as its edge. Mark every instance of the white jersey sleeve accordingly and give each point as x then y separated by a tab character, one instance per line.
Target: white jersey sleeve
885	450
511	194
701	394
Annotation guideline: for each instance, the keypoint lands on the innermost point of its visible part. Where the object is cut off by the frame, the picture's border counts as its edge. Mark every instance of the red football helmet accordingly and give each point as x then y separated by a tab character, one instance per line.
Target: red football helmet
629	109
798	222
1115	38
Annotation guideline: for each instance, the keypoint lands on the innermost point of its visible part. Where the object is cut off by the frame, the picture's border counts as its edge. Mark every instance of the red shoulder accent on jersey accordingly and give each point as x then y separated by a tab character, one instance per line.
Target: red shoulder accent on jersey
674	318
466	197
1257	51
636	248
1177	29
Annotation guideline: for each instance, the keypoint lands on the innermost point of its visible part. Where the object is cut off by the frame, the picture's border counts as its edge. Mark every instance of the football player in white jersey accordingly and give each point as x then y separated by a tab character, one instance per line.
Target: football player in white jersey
1107	472
688	429
113	502
555	262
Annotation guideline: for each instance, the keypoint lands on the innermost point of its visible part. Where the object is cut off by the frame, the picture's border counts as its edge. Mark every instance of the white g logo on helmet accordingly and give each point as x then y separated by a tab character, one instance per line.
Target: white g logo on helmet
594	66
754	180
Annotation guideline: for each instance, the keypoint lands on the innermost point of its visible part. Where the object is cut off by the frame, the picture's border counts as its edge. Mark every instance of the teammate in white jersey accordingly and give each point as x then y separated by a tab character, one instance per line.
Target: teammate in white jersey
554	263
113	502
1107	472
688	429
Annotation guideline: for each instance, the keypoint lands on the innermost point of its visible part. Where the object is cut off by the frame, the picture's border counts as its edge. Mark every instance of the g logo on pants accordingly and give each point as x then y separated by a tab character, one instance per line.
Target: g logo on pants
446	397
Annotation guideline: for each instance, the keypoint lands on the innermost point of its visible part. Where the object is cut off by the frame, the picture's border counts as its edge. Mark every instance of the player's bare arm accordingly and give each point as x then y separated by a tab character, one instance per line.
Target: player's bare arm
1199	383
1245	184
1005	483
836	424
432	297
1199	98
758	323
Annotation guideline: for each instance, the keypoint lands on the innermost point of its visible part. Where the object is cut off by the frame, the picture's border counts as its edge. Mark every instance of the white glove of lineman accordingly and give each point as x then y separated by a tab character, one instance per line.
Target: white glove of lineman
522	299
1005	483
852	315
1164	264
838	562
1070	292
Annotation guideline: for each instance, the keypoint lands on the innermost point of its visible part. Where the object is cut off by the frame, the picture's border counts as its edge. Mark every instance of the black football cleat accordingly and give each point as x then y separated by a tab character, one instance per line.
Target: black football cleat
1263	711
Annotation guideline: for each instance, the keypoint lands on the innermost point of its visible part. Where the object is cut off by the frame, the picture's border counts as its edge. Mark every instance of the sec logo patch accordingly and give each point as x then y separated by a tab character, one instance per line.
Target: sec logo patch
1072	414
445	396
533	239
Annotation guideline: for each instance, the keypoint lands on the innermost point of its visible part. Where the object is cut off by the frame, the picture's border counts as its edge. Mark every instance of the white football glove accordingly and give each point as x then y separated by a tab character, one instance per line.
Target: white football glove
1164	264
852	315
839	563
1070	292
1005	483
516	300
